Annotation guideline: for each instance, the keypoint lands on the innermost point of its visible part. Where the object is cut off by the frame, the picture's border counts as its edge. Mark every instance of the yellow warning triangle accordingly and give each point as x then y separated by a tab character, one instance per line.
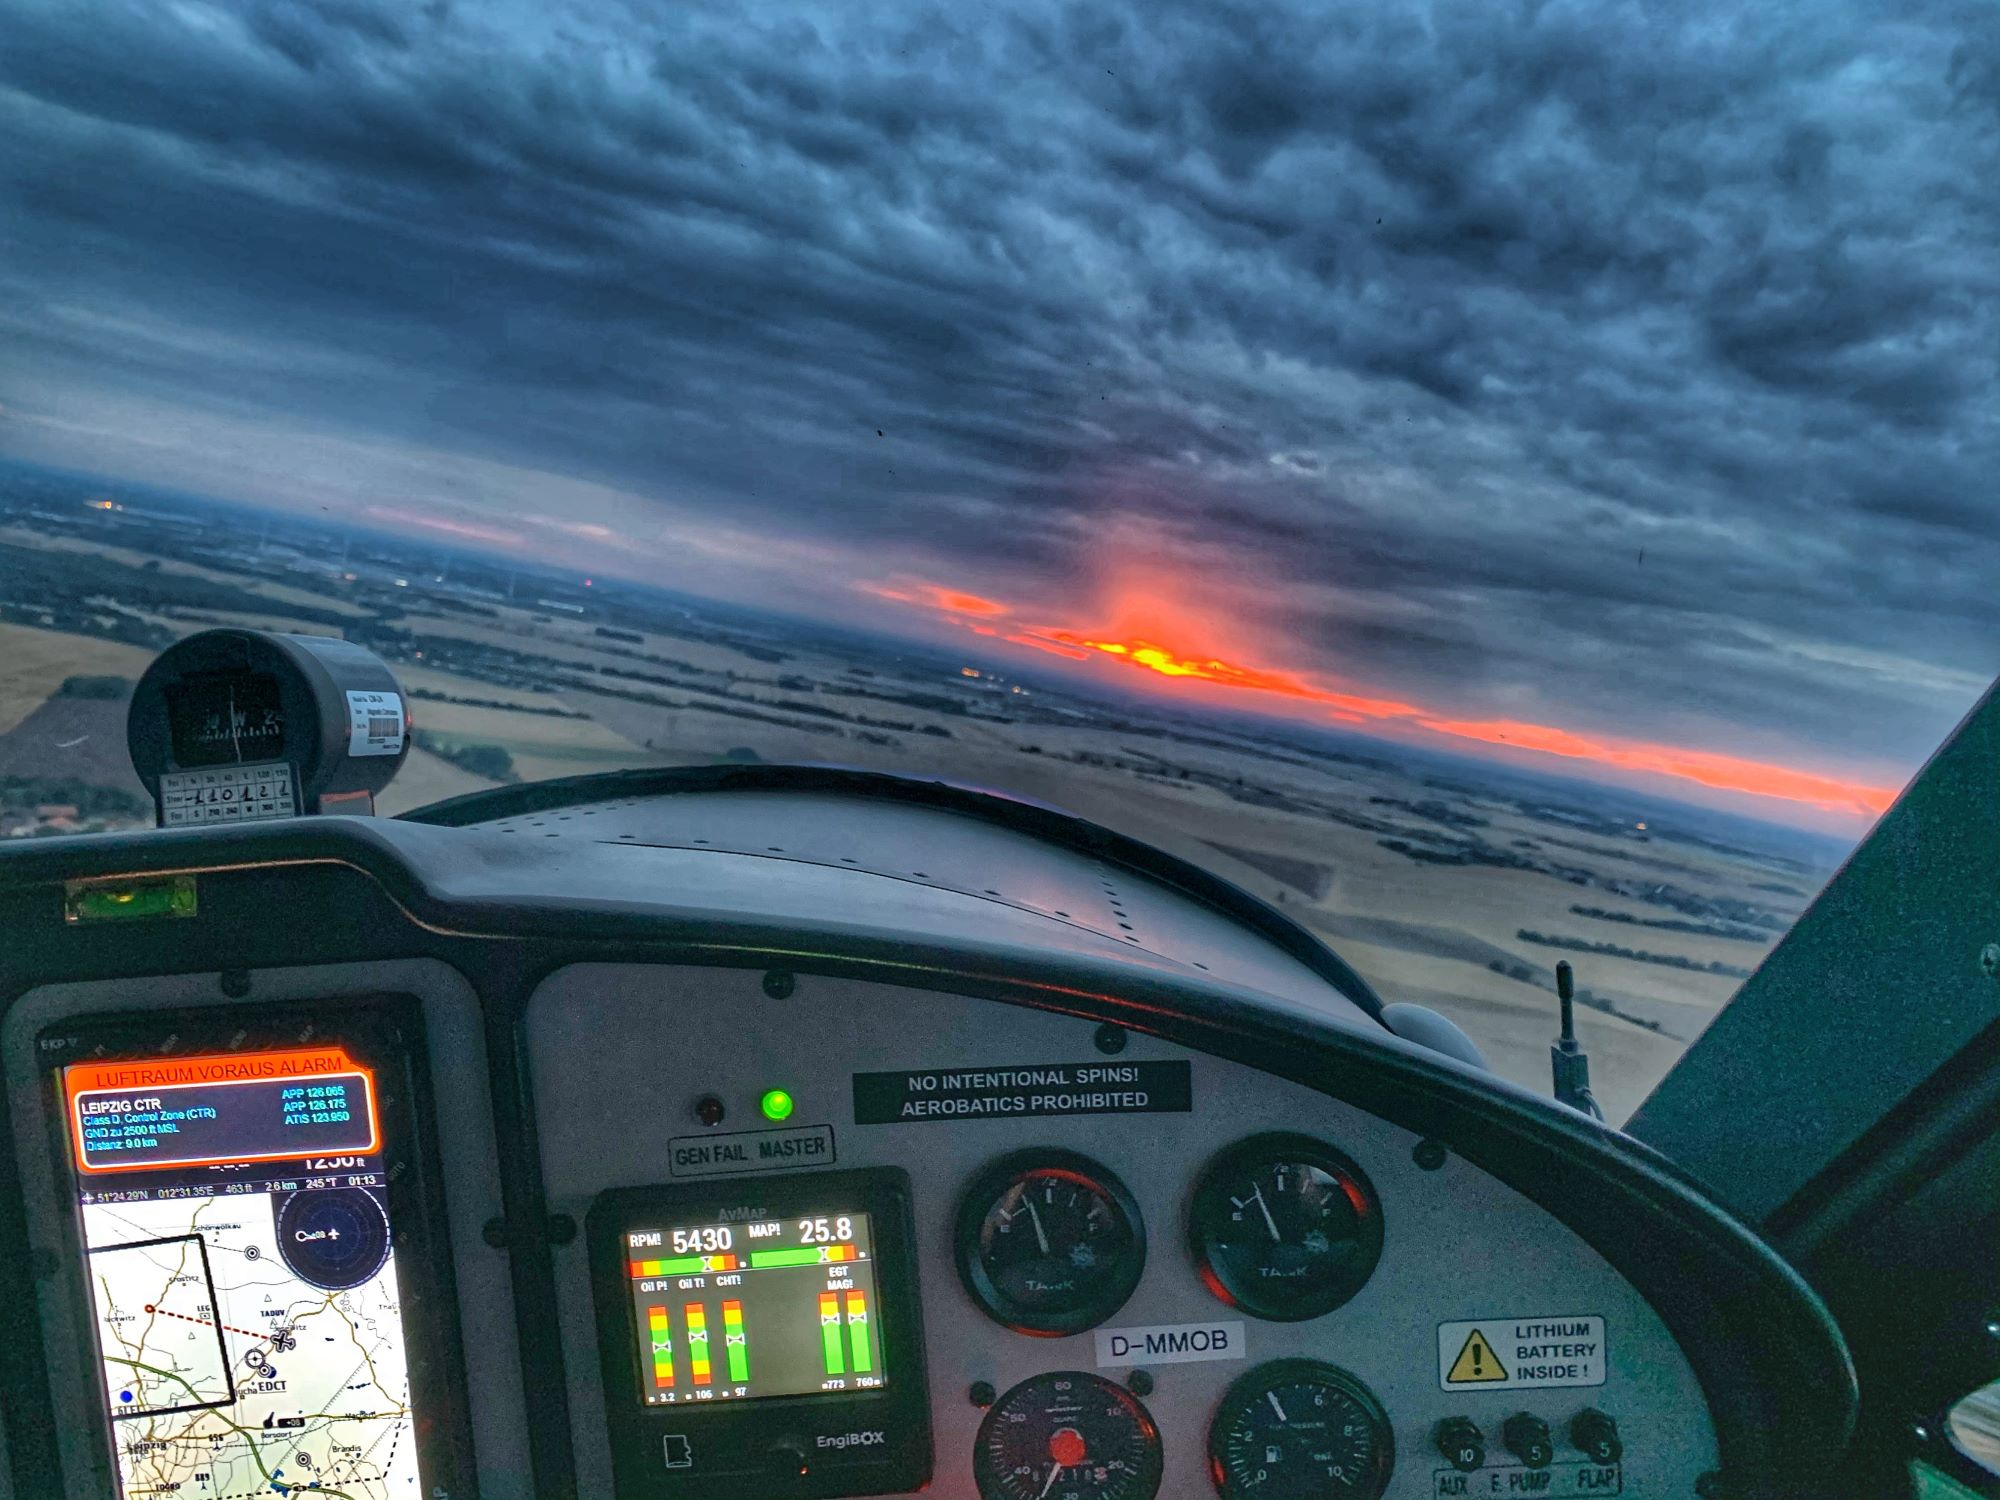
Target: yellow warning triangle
1476	1363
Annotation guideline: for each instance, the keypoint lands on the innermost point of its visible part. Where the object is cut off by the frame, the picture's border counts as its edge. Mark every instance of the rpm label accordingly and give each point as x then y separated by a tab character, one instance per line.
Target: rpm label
1521	1353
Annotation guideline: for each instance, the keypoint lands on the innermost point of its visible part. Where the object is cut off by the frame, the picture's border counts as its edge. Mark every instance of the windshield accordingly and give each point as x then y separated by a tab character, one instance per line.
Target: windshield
1505	484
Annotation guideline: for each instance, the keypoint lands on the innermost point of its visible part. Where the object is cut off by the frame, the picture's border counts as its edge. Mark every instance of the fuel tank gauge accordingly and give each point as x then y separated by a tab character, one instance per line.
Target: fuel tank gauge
1285	1227
1049	1242
1298	1429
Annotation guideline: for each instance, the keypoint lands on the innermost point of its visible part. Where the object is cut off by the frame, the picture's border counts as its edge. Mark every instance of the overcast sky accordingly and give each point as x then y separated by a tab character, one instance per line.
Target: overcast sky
1627	368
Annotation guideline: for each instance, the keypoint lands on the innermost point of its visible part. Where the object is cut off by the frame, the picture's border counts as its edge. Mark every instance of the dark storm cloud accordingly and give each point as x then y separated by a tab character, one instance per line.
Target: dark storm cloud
1519	355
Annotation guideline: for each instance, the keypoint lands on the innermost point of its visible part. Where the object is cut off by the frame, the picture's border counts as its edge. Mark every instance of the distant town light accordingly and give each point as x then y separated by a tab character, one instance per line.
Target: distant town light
968	671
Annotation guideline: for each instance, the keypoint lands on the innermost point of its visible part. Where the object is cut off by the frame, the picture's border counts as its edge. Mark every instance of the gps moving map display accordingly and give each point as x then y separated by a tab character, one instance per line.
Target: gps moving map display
773	1307
234	1219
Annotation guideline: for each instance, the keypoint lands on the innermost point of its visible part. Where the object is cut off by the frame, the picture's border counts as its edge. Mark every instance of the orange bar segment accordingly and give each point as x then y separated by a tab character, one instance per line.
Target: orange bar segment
697	1322
662	1339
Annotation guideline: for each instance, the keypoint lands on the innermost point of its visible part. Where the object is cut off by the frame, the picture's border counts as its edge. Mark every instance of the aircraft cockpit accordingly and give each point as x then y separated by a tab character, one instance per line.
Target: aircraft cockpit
781	1131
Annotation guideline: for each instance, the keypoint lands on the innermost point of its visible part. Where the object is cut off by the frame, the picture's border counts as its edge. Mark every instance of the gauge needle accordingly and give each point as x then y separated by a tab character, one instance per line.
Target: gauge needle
1272	1397
1055	1470
1041	1236
1269	1222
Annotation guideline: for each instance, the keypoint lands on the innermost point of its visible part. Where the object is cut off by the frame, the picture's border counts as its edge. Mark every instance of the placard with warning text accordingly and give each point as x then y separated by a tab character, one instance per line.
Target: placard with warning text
1521	1353
1099	1088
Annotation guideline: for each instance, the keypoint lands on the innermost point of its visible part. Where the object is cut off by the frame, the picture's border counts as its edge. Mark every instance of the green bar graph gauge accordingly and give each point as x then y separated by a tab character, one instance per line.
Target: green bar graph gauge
829	1334
735	1344
697	1325
857	1332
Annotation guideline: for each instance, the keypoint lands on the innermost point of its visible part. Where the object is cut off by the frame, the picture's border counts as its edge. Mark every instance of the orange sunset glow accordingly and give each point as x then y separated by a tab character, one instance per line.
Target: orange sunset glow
1144	645
949	601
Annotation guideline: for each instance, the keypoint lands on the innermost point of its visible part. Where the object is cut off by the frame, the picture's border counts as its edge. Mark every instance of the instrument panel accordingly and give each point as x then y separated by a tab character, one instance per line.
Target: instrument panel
1246	1307
1122	1299
488	1174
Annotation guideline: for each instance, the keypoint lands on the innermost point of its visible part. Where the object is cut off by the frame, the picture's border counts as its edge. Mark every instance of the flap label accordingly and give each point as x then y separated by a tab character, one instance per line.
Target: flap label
1556	1482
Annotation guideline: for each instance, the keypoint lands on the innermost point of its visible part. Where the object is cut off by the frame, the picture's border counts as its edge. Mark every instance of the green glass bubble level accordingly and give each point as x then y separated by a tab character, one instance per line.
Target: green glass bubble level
130	900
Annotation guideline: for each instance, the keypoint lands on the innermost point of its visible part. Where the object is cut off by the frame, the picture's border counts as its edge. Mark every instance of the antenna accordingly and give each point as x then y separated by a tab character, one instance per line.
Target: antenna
1566	1058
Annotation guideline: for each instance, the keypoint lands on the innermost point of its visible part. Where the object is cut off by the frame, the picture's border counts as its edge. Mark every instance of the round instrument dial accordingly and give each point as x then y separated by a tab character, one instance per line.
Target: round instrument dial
1297	1429
1049	1242
1285	1227
333	1238
1067	1436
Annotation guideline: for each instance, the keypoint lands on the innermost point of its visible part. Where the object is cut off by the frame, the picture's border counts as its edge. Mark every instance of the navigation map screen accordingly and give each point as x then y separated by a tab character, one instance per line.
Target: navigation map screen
234	1214
775	1307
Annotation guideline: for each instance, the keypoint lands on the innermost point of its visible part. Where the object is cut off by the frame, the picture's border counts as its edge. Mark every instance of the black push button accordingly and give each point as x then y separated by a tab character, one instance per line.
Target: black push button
788	1456
1527	1438
1461	1442
1596	1435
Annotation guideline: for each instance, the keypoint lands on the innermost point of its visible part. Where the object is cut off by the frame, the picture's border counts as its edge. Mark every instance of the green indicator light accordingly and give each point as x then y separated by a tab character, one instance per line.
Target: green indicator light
776	1104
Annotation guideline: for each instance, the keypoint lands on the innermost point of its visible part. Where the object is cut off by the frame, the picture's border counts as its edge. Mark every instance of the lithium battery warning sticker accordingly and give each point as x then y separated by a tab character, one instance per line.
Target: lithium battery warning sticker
1521	1353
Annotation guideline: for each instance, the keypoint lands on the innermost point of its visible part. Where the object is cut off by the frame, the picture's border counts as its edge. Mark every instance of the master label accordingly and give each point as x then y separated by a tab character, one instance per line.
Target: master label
1518	1353
1100	1088
750	1151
